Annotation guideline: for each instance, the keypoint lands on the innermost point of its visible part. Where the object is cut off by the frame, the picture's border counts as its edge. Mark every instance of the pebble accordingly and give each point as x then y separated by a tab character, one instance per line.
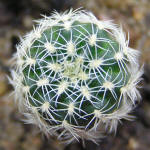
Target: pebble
4	87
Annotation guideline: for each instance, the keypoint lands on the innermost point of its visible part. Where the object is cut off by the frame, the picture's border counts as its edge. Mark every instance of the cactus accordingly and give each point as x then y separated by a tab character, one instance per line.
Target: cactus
75	76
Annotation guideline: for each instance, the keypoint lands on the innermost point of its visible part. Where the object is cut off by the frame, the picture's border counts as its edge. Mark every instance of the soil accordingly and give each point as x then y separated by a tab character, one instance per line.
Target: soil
16	19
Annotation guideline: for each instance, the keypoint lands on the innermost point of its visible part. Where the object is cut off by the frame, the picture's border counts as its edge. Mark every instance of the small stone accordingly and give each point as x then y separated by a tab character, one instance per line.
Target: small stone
133	144
138	13
3	84
27	21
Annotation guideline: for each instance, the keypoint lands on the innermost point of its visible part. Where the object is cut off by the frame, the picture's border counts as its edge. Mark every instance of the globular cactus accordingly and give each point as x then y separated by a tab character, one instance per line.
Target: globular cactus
75	76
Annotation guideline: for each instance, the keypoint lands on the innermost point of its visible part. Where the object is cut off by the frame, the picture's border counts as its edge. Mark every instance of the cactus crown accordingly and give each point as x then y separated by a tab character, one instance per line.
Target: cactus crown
75	75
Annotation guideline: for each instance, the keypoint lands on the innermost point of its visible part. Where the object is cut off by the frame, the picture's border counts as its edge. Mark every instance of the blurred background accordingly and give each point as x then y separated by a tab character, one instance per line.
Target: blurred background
16	19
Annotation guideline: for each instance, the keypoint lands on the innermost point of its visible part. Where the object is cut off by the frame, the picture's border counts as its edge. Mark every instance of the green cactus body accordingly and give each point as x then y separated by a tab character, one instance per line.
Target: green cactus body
75	76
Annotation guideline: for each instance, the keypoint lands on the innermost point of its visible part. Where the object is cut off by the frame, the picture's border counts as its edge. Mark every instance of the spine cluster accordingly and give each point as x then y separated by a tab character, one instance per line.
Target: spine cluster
75	76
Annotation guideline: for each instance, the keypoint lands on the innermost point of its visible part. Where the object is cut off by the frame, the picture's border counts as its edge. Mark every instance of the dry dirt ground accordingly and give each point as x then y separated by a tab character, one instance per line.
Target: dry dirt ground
16	19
